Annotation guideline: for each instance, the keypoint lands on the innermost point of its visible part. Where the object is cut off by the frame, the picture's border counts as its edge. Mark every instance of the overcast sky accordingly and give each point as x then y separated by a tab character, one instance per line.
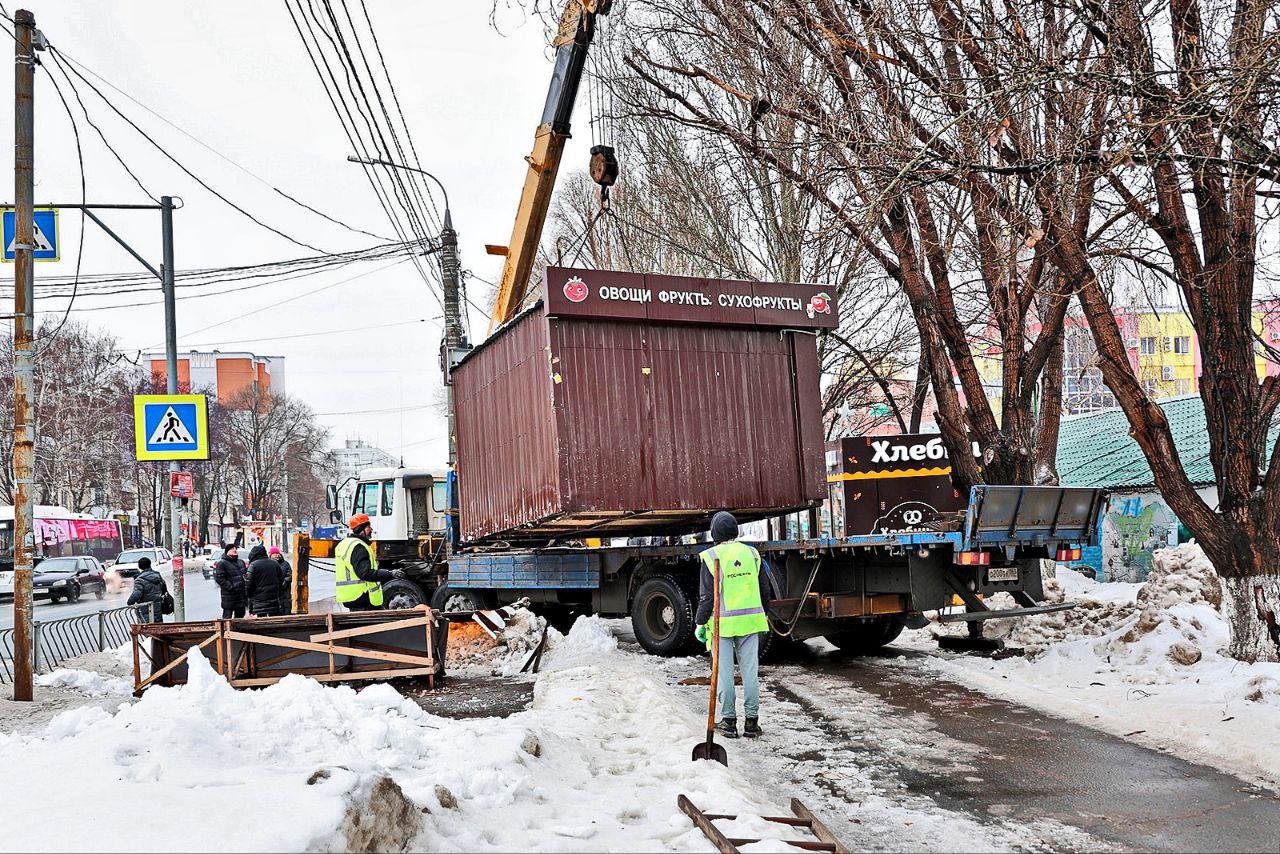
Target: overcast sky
234	75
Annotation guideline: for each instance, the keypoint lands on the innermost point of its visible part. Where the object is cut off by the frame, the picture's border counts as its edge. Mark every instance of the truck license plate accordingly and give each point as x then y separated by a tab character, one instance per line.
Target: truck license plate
1002	573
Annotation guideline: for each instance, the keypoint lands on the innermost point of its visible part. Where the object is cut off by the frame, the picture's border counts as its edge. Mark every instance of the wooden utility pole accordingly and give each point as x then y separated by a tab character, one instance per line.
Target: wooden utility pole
23	352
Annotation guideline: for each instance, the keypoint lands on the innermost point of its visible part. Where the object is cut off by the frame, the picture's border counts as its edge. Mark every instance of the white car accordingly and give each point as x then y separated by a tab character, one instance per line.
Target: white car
126	564
6	582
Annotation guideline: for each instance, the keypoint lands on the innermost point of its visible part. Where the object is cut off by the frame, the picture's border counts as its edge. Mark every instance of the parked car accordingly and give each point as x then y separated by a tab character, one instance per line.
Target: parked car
212	554
6	581
58	578
127	562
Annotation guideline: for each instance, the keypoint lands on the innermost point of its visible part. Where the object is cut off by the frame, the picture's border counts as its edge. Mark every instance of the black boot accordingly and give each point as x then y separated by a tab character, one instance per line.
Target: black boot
728	727
752	729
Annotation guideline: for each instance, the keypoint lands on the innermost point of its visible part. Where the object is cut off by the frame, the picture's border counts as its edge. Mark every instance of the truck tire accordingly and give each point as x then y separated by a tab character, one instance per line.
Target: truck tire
662	617
402	593
869	635
448	598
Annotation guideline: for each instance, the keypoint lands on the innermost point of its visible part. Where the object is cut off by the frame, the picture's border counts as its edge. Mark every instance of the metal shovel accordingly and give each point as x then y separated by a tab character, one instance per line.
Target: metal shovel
709	749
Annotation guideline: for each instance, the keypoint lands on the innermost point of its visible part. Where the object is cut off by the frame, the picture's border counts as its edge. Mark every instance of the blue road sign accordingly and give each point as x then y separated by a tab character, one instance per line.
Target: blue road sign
171	427
46	234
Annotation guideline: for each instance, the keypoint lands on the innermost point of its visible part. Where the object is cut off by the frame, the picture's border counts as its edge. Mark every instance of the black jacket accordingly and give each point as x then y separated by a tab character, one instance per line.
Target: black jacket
364	570
264	584
706	592
228	574
286	589
149	588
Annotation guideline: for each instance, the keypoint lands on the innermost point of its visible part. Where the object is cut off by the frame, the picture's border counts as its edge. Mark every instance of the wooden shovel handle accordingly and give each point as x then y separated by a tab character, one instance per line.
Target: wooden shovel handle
715	648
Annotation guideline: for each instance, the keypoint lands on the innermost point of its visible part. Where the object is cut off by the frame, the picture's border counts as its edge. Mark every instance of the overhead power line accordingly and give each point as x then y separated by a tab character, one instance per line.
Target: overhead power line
220	154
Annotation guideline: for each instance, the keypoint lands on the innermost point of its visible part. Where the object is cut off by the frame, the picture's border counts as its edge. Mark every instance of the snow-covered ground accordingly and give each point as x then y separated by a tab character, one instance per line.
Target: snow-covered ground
595	764
1141	661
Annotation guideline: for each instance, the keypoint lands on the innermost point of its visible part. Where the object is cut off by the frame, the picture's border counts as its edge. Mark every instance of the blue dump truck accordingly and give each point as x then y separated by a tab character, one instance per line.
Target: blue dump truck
598	432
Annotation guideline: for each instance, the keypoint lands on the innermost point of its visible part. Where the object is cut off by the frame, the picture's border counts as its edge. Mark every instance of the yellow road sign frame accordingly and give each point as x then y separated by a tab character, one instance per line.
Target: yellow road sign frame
141	401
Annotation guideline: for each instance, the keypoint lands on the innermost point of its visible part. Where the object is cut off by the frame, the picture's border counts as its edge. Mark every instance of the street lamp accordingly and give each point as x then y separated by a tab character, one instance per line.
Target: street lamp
454	346
374	161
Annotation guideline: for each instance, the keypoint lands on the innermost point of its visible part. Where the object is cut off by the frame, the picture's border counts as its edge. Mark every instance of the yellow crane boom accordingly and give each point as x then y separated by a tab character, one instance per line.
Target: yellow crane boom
577	28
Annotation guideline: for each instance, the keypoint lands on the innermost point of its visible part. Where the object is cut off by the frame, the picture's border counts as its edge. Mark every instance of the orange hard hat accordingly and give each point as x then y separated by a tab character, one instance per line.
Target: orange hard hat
358	520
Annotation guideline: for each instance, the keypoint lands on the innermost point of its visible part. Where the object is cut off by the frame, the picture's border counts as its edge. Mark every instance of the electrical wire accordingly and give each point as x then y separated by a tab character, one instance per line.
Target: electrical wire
179	163
220	154
314	334
48	340
333	93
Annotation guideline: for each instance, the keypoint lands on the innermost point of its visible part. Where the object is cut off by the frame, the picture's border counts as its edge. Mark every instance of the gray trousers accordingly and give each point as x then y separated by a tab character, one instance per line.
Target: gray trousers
746	650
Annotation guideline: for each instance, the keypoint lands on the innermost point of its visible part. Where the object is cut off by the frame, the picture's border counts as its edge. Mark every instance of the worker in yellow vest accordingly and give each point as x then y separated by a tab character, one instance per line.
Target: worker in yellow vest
358	581
744	593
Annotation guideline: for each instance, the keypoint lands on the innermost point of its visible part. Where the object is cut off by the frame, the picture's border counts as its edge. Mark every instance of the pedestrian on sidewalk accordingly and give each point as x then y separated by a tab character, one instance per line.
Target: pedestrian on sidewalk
286	589
264	584
148	590
744	592
228	574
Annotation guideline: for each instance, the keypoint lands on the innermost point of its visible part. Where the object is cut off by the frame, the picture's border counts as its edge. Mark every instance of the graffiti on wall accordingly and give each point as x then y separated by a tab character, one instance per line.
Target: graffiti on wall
1133	528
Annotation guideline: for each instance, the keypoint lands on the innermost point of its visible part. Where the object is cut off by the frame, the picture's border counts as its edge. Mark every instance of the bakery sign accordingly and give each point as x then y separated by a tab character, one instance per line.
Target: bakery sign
571	292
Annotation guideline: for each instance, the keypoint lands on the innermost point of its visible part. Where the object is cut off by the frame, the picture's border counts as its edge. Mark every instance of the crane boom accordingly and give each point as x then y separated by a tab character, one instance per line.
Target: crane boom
577	27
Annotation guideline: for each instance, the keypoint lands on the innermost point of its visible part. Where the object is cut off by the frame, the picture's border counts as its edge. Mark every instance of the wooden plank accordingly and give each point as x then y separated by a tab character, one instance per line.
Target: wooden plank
819	829
218	647
795	843
354	652
172	664
709	830
372	630
776	819
285	656
328	621
338	677
430	629
137	664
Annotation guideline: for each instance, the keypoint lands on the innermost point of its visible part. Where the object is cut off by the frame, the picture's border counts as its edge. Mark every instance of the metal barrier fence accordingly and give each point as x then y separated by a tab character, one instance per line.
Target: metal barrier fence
55	641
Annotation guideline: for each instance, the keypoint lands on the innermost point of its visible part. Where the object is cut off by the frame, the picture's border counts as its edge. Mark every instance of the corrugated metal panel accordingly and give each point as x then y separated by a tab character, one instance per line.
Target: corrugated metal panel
656	426
507	458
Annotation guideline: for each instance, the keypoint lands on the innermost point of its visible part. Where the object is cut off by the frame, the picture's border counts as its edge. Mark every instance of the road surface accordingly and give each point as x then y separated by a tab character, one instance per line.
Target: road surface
201	594
880	745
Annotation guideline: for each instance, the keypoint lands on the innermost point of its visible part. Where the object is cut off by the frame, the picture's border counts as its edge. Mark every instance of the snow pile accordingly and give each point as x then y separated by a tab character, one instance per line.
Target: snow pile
595	764
472	651
1145	661
87	682
588	641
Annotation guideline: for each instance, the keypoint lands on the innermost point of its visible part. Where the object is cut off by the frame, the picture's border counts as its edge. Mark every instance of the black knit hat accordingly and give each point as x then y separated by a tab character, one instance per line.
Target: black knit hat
723	527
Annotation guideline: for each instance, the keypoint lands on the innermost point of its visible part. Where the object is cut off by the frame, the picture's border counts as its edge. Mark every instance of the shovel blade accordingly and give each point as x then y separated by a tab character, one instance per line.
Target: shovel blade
711	750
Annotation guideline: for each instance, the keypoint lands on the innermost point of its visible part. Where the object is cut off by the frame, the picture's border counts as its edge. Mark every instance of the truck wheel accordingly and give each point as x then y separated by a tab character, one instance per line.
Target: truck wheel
448	598
662	617
402	593
869	635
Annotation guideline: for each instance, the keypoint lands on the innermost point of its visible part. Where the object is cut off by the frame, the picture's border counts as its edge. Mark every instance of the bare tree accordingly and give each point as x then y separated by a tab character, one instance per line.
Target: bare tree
264	431
1191	165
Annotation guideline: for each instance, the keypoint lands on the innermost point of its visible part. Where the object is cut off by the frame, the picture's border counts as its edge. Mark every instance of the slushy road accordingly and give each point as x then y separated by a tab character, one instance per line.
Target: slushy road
203	601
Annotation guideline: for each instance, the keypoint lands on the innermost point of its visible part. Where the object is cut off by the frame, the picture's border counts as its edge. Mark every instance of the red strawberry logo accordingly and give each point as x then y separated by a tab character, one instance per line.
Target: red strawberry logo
576	290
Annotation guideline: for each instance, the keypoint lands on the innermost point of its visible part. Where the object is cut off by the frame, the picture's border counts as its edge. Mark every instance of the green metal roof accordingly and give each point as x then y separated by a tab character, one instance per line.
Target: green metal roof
1096	450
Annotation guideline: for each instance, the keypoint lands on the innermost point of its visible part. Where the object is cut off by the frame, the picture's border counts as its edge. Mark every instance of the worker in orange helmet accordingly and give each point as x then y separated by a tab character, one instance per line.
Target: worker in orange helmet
357	577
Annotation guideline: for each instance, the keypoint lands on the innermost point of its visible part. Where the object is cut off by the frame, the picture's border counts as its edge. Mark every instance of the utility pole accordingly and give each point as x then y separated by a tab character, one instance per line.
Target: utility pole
454	343
171	387
450	273
24	368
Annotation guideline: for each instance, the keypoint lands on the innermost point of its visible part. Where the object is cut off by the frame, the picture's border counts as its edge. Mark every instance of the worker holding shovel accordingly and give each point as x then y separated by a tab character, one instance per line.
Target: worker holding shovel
733	588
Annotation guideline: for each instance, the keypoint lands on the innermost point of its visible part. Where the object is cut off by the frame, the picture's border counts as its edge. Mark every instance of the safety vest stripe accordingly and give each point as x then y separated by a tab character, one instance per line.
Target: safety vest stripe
742	612
350	581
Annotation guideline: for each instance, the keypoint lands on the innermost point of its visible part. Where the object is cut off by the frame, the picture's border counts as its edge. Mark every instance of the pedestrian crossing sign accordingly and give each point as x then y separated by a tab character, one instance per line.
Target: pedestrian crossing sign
171	426
44	233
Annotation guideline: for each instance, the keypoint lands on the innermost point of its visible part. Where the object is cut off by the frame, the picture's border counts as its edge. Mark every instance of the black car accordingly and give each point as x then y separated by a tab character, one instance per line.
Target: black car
67	577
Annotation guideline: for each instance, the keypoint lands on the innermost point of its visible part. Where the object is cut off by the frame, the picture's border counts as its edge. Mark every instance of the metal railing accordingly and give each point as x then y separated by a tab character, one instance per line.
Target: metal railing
55	641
